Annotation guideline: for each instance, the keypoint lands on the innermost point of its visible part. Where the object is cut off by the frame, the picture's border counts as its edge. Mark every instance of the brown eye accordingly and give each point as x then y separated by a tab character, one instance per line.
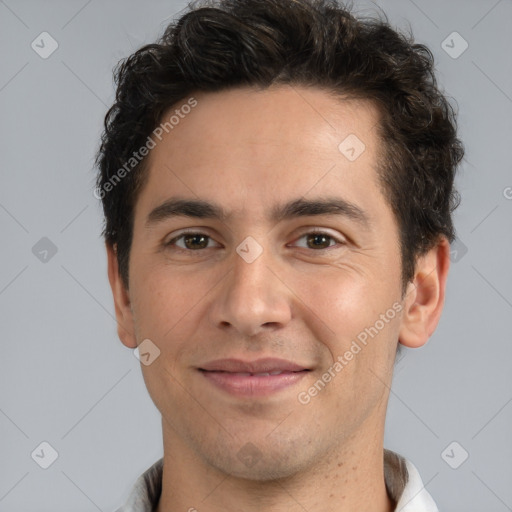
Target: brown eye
319	240
195	241
191	241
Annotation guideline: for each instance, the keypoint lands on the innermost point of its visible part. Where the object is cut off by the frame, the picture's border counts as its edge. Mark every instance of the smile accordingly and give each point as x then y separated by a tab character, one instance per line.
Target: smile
253	379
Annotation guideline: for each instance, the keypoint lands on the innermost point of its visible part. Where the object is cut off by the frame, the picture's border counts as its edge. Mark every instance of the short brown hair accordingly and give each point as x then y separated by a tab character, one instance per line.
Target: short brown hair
232	43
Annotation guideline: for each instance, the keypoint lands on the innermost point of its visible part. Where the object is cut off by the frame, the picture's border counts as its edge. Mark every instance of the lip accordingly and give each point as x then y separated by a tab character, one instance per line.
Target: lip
244	379
266	365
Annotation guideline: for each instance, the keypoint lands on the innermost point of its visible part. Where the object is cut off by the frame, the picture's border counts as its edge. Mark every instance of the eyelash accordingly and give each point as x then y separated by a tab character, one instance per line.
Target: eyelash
171	242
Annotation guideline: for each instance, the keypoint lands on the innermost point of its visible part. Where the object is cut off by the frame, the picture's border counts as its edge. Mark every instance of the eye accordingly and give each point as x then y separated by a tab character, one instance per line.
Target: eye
192	241
318	240
195	241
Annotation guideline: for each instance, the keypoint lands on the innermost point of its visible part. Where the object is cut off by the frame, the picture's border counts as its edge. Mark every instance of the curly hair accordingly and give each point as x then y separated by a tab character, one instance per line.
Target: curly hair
318	43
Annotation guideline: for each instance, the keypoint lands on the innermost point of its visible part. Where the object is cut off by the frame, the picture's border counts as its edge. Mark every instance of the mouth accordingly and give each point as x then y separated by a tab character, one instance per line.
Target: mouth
253	378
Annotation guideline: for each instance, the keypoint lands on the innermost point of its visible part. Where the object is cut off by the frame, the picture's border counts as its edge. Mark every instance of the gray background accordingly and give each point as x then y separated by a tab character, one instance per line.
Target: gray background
66	378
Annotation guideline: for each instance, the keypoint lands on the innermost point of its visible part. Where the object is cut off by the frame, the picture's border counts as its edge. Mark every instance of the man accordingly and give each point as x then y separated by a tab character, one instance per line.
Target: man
277	182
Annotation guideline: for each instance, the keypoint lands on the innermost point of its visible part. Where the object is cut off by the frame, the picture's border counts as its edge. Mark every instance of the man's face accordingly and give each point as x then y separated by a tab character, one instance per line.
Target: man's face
304	300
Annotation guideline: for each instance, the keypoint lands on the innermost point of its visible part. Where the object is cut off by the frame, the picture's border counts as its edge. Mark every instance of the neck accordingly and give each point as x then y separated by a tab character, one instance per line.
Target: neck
351	480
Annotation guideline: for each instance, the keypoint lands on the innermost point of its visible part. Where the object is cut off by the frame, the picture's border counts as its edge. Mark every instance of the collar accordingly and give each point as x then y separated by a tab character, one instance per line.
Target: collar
403	484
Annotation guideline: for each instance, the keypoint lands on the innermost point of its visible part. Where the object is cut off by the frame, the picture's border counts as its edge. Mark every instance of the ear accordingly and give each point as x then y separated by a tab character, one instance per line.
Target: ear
124	315
424	299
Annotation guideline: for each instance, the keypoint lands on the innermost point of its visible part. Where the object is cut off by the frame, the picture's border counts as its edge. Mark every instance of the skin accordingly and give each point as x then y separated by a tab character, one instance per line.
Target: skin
249	150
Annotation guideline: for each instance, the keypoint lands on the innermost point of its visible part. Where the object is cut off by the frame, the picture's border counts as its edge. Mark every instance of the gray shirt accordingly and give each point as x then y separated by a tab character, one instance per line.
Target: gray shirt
403	484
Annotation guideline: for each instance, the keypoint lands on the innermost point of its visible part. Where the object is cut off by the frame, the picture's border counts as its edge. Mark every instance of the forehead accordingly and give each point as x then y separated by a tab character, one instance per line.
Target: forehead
248	148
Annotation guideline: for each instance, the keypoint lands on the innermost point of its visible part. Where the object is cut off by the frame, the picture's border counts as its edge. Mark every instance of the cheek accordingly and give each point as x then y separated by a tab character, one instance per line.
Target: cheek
164	313
341	298
352	305
164	304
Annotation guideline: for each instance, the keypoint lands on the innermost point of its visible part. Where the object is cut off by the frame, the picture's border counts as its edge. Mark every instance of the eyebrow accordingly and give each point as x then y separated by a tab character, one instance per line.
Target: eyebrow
200	209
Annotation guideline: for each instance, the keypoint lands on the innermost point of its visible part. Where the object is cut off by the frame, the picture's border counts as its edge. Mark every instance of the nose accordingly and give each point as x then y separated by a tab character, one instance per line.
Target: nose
253	297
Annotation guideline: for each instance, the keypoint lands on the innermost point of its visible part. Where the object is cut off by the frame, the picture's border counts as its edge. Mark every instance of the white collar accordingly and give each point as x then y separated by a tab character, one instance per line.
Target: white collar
403	484
410	491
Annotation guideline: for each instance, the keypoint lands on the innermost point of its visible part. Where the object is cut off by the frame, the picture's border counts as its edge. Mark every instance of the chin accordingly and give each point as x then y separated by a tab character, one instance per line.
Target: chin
259	463
263	471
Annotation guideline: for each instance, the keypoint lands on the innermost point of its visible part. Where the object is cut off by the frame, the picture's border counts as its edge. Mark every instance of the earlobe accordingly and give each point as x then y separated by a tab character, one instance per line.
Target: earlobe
424	299
124	316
